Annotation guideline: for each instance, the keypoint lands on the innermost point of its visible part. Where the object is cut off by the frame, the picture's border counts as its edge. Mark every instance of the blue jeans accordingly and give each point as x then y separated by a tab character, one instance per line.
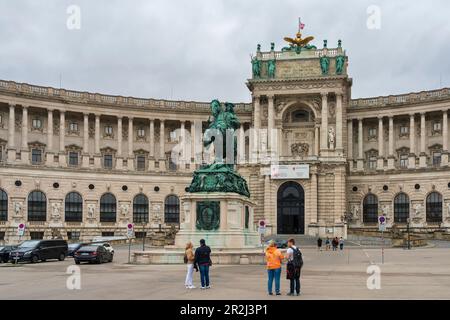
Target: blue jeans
274	273
204	275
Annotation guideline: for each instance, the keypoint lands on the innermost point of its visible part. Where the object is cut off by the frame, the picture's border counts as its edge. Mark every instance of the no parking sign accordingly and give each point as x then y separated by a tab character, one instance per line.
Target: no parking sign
21	230
382	223
130	230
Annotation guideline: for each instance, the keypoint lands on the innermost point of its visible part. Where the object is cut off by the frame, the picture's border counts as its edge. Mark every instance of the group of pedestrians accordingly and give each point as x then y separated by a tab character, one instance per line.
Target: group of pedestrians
200	260
334	243
294	265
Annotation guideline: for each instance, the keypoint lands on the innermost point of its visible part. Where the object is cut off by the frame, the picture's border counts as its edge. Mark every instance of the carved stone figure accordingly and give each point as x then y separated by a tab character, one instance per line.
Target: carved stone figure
124	209
355	212
300	149
385	210
331	137
18	208
256	67
56	211
417	210
91	211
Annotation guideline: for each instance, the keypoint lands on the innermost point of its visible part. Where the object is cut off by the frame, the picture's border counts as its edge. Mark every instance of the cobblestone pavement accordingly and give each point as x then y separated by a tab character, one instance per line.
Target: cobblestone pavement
416	274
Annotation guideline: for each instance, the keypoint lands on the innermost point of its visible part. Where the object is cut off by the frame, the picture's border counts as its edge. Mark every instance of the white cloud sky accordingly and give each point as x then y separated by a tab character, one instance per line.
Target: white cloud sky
200	49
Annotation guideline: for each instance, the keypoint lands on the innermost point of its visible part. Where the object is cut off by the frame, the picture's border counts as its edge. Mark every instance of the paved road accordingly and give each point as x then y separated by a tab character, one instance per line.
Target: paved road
415	274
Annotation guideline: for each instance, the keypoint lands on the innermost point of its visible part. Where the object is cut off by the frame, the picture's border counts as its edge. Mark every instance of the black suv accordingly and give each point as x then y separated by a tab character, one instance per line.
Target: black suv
39	250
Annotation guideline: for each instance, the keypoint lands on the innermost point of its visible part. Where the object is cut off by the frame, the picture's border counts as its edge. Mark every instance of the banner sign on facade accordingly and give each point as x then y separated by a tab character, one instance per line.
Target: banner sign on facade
289	172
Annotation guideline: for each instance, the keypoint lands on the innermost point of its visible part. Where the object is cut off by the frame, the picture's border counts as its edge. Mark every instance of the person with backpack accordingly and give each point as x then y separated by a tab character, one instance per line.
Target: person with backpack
294	267
335	243
203	261
341	243
319	244
327	244
189	261
274	258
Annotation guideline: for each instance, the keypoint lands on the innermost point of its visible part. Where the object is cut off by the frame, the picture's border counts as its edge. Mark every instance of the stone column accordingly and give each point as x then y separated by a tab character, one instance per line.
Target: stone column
119	158
380	164
444	160
25	152
391	157
162	140
97	155
324	127
241	144
257	113
49	150
268	212
182	161
316	140
85	140
130	161
151	161
62	136
271	124
412	142
350	142
423	133
339	131
360	165
314	213
11	134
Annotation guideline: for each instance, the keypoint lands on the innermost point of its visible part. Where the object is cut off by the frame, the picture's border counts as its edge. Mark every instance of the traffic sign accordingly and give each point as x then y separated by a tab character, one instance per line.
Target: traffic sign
21	230
130	230
382	223
262	227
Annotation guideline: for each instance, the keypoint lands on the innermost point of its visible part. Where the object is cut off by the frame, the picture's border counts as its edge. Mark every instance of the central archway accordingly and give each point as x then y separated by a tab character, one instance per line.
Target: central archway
291	209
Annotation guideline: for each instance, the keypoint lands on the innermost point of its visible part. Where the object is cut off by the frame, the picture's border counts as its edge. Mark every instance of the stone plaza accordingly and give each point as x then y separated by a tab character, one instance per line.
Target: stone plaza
415	274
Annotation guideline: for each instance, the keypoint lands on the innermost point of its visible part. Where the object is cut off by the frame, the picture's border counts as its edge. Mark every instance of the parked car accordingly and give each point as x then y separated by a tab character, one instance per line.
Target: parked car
107	246
281	244
93	253
4	253
73	247
39	250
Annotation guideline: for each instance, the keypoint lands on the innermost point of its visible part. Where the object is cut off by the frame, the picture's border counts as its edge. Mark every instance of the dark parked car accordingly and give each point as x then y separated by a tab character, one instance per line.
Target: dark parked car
4	253
281	244
73	247
93	253
39	250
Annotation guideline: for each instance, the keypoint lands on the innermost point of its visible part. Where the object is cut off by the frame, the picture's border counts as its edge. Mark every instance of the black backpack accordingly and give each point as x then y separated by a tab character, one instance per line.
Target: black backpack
297	258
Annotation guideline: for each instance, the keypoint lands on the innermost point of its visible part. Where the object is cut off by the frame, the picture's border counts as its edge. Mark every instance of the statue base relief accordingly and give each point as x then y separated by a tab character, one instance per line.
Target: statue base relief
224	220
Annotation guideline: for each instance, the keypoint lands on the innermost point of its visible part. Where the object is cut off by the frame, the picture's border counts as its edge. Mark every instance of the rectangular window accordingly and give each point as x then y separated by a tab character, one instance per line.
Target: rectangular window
404	130
37	123
36	156
73	127
73	235
140	163
404	161
107	234
73	158
37	235
108	130
372	133
372	163
107	161
437	159
436	126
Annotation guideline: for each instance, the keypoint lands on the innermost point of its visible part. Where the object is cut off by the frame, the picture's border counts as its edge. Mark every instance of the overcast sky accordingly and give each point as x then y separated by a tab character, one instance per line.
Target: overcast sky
200	49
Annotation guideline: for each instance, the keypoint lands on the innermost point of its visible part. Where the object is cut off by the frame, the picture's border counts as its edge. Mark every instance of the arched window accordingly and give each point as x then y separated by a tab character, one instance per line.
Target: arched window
434	207
37	206
73	207
370	209
140	209
3	206
401	208
172	209
108	208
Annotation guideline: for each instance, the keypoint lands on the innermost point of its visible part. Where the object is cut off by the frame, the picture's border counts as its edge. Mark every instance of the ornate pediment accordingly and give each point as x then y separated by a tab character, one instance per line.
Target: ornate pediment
108	150
36	144
73	147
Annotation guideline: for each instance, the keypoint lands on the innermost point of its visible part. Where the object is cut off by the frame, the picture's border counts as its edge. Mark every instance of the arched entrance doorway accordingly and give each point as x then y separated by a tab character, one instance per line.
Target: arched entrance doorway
291	209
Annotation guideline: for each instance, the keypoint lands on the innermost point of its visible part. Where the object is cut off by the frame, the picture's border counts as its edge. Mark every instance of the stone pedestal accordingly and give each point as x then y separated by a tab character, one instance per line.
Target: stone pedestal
391	163
224	220
423	161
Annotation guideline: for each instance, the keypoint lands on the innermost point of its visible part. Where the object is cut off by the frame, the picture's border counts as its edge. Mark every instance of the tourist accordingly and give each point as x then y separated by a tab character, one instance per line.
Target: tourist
341	244
327	244
274	259
189	260
294	266
335	243
203	262
319	244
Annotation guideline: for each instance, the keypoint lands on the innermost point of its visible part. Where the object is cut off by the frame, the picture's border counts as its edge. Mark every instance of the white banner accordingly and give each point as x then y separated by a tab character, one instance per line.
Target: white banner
289	172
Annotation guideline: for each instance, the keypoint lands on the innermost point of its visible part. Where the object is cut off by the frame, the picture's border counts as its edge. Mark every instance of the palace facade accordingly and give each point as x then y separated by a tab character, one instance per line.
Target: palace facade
82	164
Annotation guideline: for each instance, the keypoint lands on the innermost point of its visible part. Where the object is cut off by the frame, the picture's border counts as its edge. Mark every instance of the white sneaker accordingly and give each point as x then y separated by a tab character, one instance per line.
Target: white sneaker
208	287
192	287
203	288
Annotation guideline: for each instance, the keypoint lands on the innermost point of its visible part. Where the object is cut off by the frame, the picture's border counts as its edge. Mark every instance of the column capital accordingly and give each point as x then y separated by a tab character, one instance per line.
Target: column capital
50	110
25	107
412	114
339	94
423	113
360	119
12	105
86	114
130	118
256	96
380	118
270	96
324	95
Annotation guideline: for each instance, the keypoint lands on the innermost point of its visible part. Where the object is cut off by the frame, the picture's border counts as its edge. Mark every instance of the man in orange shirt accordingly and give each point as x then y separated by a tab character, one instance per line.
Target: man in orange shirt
274	259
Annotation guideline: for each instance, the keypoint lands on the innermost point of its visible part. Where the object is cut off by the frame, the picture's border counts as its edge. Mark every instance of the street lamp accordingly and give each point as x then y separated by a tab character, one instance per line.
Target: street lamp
407	230
143	235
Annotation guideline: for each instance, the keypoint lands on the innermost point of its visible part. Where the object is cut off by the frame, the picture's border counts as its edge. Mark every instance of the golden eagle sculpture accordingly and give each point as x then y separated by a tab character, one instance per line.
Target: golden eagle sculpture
298	41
